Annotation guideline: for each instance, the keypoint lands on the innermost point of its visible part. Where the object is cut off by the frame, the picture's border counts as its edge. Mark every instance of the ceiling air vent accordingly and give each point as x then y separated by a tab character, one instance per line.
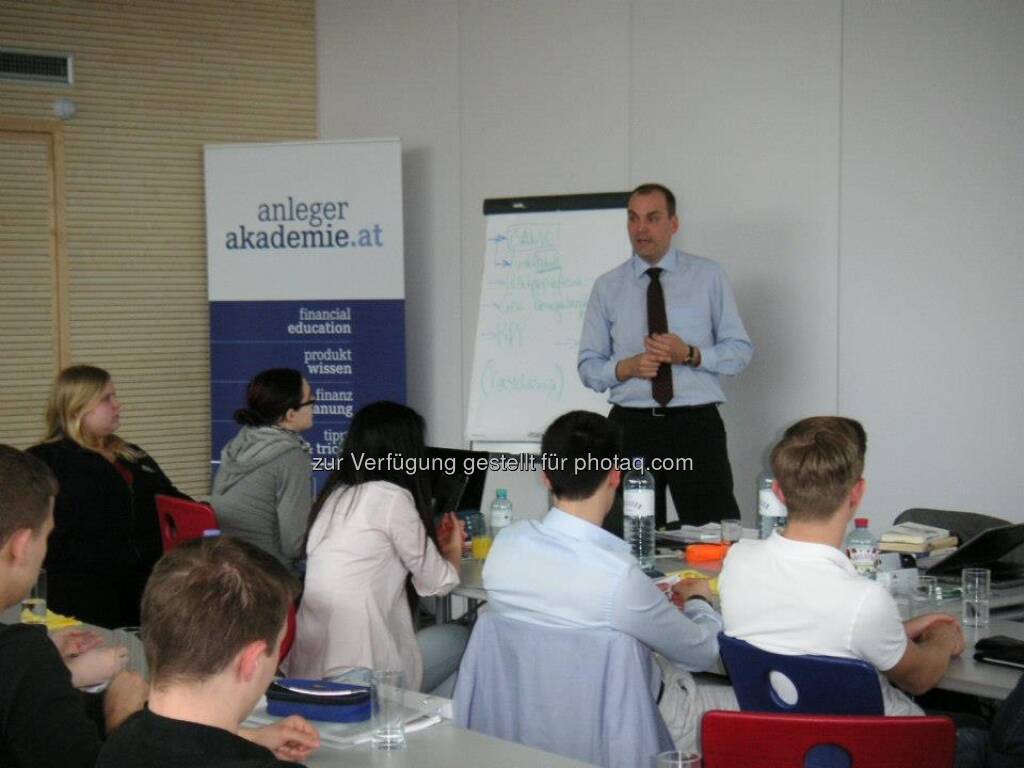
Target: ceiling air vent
36	66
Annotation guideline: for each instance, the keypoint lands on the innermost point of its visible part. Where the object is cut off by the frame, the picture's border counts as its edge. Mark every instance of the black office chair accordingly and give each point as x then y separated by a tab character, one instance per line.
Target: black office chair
964	525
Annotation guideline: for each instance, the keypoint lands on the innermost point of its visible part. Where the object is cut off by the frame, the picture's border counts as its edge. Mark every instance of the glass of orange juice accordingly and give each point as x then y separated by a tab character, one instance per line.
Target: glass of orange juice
481	542
481	546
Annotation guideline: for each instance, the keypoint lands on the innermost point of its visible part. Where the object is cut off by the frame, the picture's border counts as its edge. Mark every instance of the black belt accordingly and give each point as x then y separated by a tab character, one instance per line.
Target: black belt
678	410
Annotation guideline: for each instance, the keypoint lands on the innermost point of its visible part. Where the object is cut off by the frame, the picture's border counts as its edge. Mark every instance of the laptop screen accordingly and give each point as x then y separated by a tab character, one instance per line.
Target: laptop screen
456	482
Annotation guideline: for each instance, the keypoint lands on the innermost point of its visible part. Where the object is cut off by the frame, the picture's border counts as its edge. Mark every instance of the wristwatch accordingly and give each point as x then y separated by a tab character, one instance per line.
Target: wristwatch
691	358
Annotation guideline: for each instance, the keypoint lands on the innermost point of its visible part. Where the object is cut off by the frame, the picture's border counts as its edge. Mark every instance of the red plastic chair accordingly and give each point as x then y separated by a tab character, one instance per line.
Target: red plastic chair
289	635
182	520
752	739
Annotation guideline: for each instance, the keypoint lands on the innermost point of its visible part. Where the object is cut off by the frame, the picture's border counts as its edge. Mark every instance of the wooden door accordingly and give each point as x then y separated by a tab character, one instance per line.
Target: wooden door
32	344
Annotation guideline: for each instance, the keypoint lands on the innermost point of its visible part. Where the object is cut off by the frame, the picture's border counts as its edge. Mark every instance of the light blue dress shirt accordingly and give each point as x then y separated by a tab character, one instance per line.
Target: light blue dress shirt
701	311
588	694
563	571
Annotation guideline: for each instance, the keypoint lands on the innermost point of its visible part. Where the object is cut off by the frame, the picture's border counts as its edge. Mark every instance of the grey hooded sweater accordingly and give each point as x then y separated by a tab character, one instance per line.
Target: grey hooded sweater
263	490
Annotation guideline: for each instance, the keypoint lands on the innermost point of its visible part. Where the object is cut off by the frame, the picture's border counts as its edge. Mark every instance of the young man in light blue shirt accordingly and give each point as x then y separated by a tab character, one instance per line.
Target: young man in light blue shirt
566	571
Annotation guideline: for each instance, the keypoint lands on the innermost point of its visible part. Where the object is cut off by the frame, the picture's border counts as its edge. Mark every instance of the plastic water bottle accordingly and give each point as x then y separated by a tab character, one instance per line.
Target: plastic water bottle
862	548
771	513
638	516
501	512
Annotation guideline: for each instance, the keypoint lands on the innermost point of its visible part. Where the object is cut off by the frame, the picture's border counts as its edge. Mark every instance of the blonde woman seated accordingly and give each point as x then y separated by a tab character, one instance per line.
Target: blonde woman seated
370	529
106	537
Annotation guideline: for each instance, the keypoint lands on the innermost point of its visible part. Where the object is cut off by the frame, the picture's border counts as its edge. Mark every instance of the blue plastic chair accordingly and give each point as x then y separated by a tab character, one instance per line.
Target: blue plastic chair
809	685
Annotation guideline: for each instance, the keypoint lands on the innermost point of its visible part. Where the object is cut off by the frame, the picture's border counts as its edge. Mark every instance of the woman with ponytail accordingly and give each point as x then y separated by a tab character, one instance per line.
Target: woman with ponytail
106	537
263	489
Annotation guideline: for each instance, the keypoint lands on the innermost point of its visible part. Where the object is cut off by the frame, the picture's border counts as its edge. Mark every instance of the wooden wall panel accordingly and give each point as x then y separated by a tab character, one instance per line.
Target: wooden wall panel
154	82
27	277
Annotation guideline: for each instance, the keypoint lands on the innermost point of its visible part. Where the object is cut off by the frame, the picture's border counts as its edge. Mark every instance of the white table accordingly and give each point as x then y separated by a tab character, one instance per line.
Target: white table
978	678
965	675
442	746
471	581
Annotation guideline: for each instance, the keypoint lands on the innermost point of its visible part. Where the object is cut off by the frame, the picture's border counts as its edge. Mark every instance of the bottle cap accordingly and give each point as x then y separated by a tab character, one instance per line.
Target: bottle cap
861	522
502	493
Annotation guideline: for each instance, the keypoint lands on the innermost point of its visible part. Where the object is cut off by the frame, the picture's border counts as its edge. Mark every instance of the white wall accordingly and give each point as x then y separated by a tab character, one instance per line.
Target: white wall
932	251
735	106
856	167
392	69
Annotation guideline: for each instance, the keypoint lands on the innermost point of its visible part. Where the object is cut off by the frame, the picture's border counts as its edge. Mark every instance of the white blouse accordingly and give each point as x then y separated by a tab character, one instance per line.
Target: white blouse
354	611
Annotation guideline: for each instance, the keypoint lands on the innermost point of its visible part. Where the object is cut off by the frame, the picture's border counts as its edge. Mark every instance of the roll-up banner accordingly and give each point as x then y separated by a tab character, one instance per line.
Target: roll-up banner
305	261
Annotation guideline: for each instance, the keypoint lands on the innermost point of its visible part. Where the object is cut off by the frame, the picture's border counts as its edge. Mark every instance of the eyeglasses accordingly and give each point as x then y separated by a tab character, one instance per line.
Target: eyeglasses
311	401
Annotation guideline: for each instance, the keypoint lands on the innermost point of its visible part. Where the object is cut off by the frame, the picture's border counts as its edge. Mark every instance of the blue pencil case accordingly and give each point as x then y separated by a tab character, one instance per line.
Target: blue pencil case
319	700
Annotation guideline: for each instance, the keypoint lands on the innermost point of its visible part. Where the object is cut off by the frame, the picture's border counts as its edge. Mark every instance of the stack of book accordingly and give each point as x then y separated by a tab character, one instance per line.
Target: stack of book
918	538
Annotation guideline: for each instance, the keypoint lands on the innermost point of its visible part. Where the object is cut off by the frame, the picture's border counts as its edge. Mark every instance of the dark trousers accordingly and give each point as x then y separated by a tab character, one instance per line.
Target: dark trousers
701	491
1006	747
1002	745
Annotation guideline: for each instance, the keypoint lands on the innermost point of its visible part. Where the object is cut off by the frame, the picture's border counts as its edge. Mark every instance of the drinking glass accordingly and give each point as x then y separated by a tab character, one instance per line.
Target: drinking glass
131	639
732	530
899	590
476	528
35	603
976	584
923	595
481	541
678	760
353	676
388	712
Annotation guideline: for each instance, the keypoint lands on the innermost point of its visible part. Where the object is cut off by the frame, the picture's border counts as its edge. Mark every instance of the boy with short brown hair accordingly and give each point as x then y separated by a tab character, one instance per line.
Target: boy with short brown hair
213	617
798	593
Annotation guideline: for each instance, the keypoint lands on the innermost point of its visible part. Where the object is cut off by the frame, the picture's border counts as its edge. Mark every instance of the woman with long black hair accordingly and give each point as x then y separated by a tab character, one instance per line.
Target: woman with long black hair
370	528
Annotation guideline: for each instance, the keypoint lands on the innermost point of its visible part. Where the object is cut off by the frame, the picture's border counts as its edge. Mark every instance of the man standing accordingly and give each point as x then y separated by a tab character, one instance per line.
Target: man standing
658	332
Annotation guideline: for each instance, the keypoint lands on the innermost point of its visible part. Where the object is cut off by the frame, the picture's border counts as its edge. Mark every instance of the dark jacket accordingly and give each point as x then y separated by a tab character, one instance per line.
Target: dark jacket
105	531
44	721
148	740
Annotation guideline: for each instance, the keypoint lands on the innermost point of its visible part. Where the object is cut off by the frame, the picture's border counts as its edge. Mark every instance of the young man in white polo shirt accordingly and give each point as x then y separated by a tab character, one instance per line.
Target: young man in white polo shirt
797	593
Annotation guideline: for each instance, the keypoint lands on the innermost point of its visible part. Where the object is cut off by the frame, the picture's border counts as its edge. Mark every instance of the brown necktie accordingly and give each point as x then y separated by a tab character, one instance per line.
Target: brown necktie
657	322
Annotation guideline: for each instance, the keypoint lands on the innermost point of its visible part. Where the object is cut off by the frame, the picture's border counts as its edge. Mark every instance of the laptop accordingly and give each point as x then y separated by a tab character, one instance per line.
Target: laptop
455	482
985	551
